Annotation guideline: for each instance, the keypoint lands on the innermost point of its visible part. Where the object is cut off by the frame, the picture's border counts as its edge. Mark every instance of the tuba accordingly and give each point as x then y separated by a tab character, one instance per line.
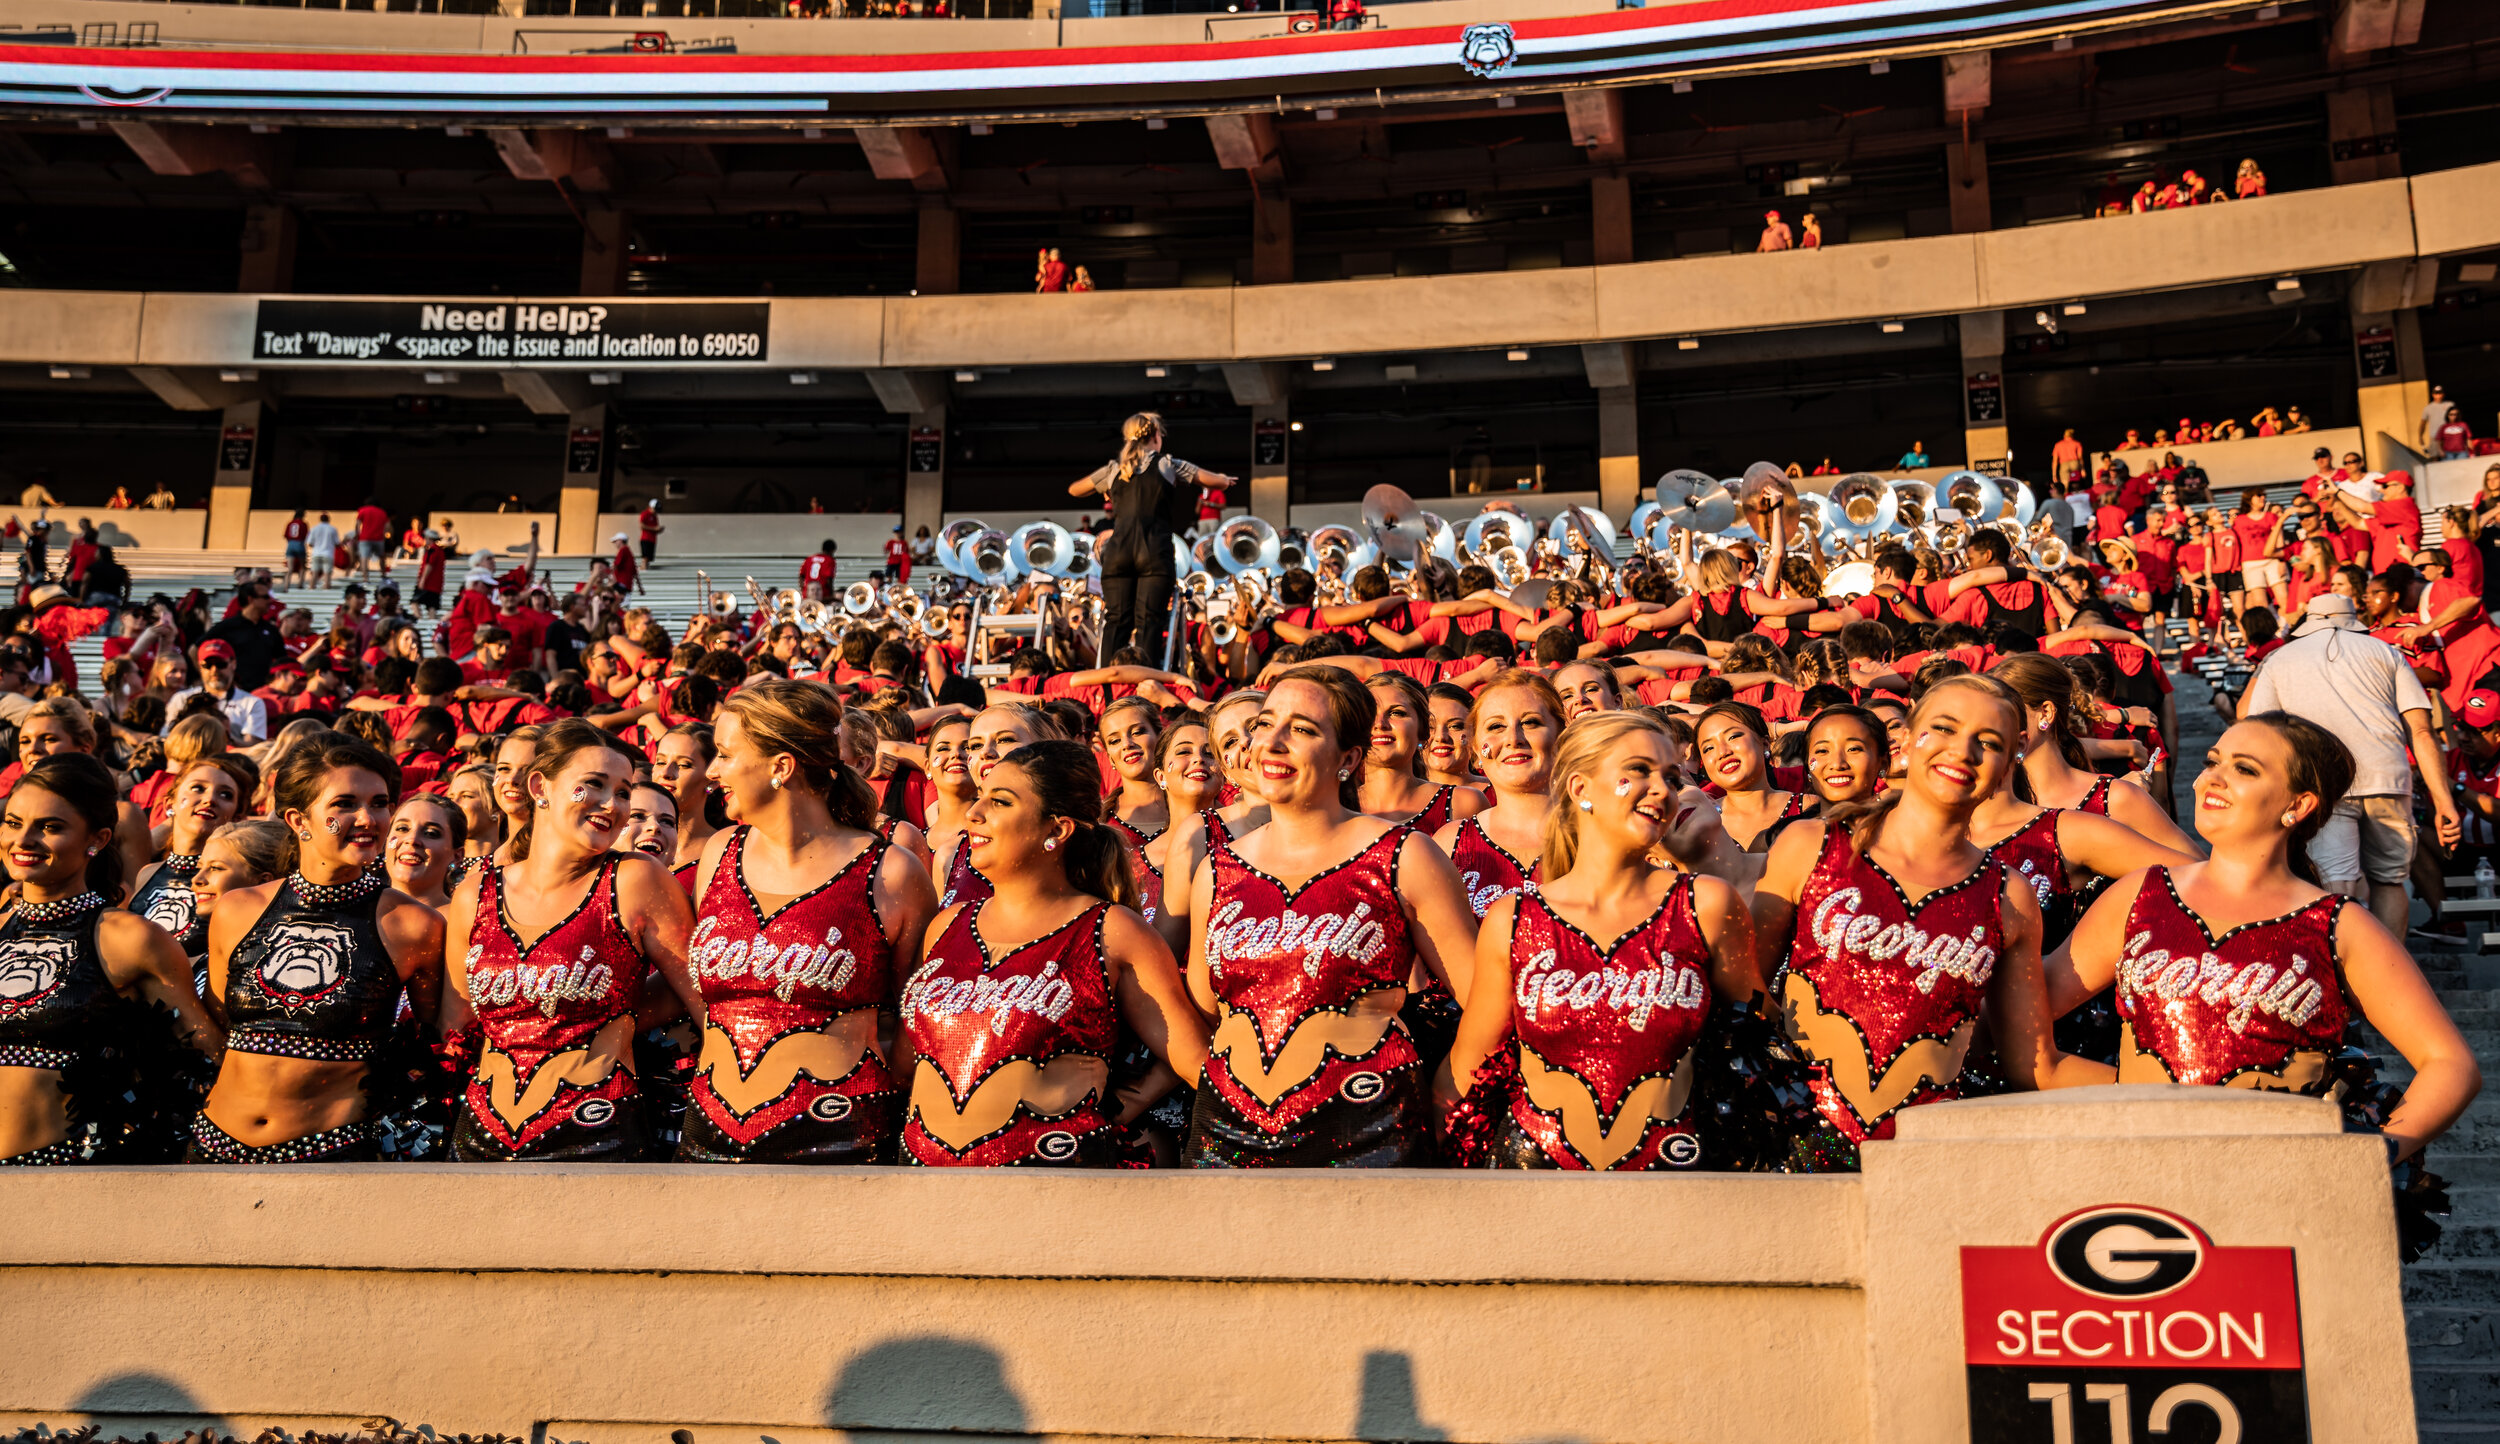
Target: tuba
1246	544
860	599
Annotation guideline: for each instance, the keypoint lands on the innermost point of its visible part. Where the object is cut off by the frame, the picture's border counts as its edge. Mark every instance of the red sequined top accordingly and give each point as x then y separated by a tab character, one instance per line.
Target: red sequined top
2202	1009
1436	813
2096	801
1309	980
770	985
1037	1026
1149	877
1883	993
1606	1034
2031	853
964	882
1486	867
555	997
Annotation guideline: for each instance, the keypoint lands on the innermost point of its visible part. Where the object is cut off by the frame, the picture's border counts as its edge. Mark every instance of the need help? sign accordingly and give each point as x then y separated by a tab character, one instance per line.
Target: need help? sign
2127	1325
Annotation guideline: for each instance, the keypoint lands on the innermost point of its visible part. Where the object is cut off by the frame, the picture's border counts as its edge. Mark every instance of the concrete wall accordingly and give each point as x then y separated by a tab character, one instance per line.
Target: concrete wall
141	530
266	530
2282	235
619	1303
2257	461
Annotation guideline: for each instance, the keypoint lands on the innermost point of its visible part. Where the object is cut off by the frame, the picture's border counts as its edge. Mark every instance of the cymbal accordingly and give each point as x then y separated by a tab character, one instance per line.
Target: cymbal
1387	507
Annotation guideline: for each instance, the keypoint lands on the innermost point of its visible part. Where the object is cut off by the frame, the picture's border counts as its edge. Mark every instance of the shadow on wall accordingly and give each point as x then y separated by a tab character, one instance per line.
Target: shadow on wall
926	1382
953	1385
129	1405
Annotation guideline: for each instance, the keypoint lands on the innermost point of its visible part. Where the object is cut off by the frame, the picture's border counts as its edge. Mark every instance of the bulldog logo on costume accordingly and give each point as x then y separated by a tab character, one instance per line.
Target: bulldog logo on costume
1485	51
2286	992
30	968
1355	936
1839	927
2124	1253
305	960
174	910
825	966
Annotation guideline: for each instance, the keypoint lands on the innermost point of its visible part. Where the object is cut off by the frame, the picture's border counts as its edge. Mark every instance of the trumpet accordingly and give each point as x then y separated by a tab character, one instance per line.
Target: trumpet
903	604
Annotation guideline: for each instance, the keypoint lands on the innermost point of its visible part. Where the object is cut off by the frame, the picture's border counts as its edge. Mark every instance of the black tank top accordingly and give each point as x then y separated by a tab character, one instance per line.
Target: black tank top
2031	618
1718	624
313	981
53	991
165	899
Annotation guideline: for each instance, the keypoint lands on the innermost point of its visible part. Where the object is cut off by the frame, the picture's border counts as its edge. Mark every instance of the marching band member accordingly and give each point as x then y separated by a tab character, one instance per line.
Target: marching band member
1013	1018
1310	1065
806	913
1602	1033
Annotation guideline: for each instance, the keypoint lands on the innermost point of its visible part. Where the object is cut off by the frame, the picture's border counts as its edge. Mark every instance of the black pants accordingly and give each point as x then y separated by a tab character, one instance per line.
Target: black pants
650	544
1136	607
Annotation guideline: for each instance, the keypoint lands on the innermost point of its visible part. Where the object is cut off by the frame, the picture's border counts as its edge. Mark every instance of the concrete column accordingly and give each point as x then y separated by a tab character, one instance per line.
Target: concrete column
1966	182
938	268
1610	219
1618	450
268	245
2393	385
2361	134
239	442
1271	237
605	240
1984	440
588	461
924	473
1271	455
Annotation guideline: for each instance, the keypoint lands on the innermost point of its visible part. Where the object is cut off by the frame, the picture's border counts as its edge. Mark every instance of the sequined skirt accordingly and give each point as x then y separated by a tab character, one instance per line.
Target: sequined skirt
1431	1015
834	1128
595	1129
51	1155
1388	1128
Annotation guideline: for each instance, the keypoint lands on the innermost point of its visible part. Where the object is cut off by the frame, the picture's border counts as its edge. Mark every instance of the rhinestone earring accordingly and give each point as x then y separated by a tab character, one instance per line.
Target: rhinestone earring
776	784
1587	806
1050	844
2289	820
91	852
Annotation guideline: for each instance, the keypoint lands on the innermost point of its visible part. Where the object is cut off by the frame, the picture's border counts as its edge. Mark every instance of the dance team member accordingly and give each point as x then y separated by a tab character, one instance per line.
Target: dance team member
1734	743
2239	971
1892	933
209	795
549	953
681	762
1012	1019
1309	1064
307	971
427	833
808	916
1601	1034
1394	787
998	729
67	954
1512	731
1129	729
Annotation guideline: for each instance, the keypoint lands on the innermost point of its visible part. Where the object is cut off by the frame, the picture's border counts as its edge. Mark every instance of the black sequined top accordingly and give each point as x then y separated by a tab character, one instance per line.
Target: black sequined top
53	990
312	982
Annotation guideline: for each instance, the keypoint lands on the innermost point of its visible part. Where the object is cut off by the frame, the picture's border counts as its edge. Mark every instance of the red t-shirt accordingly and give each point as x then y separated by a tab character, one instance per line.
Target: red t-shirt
897	553
650	521
818	570
2109	522
373	524
2395	531
297	529
2254	532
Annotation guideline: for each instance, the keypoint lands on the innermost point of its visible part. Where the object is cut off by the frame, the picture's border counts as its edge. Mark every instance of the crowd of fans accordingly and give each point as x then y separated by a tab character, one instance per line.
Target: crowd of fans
2190	189
844	836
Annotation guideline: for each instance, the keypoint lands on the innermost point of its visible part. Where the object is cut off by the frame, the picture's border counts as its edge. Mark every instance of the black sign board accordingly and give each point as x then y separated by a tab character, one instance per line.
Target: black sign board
2375	350
506	332
1268	444
927	449
584	451
1987	397
235	446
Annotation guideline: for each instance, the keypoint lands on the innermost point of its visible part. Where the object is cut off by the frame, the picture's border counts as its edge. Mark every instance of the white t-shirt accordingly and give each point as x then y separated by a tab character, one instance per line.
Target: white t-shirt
2355	686
324	539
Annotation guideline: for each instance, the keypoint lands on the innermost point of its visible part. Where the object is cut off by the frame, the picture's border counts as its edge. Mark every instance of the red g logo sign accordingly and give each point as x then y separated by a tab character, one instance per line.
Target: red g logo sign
2126	1322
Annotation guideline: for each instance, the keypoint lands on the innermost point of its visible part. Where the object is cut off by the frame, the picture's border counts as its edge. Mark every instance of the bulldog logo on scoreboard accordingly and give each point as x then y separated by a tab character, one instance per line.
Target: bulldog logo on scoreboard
1487	50
2127	1323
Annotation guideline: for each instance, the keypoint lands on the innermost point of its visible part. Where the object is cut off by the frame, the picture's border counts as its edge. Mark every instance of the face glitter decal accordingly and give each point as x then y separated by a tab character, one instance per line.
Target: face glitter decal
336	825
581	792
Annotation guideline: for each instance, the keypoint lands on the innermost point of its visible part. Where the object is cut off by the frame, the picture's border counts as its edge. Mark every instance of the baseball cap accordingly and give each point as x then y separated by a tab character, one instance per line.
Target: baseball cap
216	651
2481	708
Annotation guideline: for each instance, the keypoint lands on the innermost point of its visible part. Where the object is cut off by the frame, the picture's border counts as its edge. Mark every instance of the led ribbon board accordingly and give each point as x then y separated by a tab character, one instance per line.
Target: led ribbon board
1713	35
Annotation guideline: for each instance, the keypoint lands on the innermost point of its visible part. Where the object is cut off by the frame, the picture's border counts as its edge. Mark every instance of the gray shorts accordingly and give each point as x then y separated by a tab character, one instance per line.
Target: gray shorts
373	551
2368	837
